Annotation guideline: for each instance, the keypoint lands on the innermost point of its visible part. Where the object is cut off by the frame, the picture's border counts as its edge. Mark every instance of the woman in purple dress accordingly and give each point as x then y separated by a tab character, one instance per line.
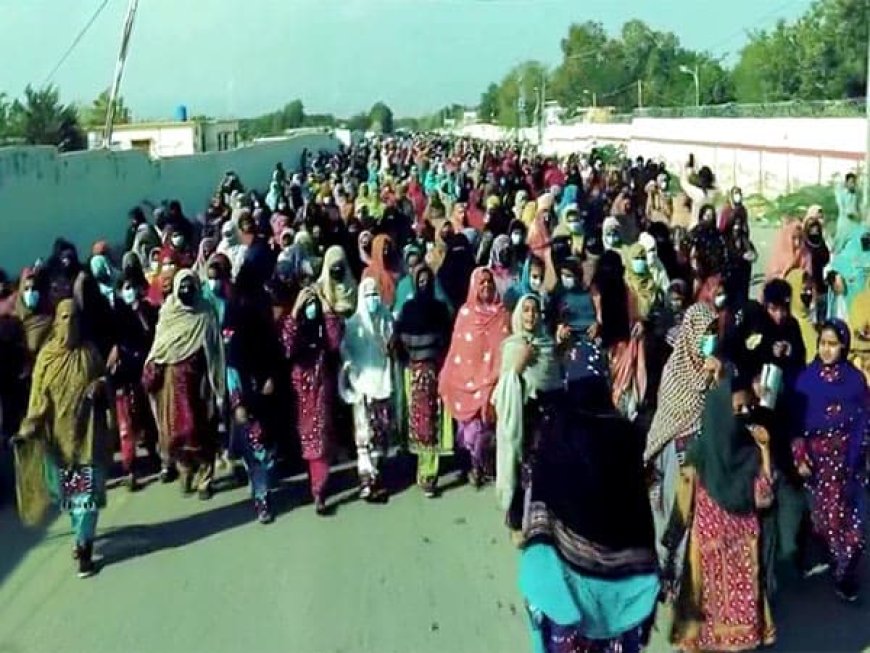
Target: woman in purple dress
829	453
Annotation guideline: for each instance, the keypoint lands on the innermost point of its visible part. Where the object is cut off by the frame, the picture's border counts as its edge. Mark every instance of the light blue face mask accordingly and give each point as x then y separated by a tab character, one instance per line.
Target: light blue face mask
30	298
611	240
373	303
576	228
639	266
128	295
708	344
311	311
215	286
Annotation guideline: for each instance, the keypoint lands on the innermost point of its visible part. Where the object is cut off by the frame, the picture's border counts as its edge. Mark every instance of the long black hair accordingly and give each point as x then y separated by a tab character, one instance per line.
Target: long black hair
609	281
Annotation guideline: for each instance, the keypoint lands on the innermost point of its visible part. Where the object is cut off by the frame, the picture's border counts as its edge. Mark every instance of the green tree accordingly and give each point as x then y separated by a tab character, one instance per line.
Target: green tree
292	115
381	118
358	122
41	119
94	115
488	108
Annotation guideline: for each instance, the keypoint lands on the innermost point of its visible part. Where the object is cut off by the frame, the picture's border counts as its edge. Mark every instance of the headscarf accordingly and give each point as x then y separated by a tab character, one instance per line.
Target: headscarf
852	263
569	197
379	270
644	287
520	201
340	295
455	271
207	247
472	366
423	313
684	383
37	322
591	451
785	255
183	330
795	279
230	246
656	267
367	371
725	455
499	263
364	256
144	242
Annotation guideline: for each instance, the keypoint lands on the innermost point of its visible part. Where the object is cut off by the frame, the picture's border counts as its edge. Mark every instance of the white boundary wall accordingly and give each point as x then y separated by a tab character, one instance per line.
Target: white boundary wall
85	196
770	156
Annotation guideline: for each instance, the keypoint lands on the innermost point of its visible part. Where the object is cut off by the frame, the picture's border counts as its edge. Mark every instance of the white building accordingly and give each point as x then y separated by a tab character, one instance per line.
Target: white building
164	139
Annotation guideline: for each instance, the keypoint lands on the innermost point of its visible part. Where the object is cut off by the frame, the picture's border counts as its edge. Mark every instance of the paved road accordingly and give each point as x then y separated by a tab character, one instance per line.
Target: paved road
414	576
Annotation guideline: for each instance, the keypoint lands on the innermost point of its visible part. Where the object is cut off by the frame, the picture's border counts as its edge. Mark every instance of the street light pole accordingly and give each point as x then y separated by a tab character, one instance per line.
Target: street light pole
696	75
866	194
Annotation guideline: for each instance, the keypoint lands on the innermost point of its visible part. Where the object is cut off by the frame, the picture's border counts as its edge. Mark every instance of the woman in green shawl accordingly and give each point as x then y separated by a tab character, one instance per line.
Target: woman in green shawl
733	487
529	385
62	449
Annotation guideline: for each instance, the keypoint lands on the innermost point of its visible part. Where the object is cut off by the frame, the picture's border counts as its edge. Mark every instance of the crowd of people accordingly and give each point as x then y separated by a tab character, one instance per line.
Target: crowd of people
583	337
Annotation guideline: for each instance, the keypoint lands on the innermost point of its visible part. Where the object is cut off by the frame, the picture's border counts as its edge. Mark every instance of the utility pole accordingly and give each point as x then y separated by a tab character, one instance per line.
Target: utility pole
640	94
119	73
866	193
541	101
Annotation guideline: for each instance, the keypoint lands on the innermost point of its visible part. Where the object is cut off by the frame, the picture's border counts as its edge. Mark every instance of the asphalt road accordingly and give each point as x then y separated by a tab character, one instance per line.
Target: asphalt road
413	576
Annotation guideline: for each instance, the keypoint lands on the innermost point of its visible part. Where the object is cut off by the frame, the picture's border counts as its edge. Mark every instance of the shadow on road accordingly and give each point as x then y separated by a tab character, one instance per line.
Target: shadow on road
811	619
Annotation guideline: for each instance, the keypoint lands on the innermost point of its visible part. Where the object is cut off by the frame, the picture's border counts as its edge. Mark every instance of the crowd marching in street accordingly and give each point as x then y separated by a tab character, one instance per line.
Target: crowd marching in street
584	334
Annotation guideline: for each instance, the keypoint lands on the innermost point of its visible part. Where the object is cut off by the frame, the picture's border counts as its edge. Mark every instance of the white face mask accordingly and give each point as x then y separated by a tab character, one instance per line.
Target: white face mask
738	198
652	258
719	300
177	241
534	283
214	285
154	265
568	283
516	238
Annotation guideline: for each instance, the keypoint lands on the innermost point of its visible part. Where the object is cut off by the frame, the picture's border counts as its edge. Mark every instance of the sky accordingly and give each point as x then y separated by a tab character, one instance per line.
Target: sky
228	58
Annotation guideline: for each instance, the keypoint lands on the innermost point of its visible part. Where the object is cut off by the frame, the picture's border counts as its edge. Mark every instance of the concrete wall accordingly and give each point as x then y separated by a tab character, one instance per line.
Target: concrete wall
85	196
770	156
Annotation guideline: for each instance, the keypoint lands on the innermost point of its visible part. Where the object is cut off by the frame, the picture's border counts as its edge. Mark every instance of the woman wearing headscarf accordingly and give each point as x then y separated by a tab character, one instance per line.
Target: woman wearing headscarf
723	603
33	309
253	365
136	321
471	369
230	246
788	252
62	449
589	579
423	332
456	268
528	388
366	383
686	379
639	278
145	240
521	200
740	255
802	309
830	453
530	282
312	337
654	264
207	247
185	376
500	264
852	268
383	269
336	285
859	327
815	245
620	331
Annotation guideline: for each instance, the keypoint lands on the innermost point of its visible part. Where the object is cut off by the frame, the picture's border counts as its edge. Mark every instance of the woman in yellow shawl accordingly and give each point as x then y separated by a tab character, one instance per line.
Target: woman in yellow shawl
62	450
802	309
640	280
185	375
370	200
336	286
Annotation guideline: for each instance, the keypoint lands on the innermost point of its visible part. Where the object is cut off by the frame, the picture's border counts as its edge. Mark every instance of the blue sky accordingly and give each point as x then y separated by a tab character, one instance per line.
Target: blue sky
226	57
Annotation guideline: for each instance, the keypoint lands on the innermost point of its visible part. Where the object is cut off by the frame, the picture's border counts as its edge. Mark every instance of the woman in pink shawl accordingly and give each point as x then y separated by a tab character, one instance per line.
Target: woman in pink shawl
539	237
788	252
417	197
471	369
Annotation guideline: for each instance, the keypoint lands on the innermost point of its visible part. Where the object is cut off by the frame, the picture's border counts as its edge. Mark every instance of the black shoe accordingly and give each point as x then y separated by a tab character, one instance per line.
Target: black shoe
320	507
87	567
205	493
847	590
131	482
168	474
186	485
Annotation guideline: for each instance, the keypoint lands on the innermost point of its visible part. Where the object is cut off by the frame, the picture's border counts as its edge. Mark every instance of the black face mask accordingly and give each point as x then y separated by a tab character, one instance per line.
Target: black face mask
186	296
814	237
336	273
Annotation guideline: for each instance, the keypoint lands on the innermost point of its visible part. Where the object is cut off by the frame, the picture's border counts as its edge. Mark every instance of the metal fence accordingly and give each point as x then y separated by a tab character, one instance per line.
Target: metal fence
850	108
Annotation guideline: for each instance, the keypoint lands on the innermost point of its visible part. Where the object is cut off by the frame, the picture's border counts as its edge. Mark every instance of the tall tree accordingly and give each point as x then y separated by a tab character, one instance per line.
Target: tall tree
381	118
293	115
94	115
488	108
41	119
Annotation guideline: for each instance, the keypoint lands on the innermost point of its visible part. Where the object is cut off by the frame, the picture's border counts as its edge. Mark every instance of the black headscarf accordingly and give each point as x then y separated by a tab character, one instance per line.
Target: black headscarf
589	497
423	313
455	271
609	280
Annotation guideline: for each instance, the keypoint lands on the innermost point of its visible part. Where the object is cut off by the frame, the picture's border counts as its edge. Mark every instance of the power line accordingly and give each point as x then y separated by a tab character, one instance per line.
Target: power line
76	41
